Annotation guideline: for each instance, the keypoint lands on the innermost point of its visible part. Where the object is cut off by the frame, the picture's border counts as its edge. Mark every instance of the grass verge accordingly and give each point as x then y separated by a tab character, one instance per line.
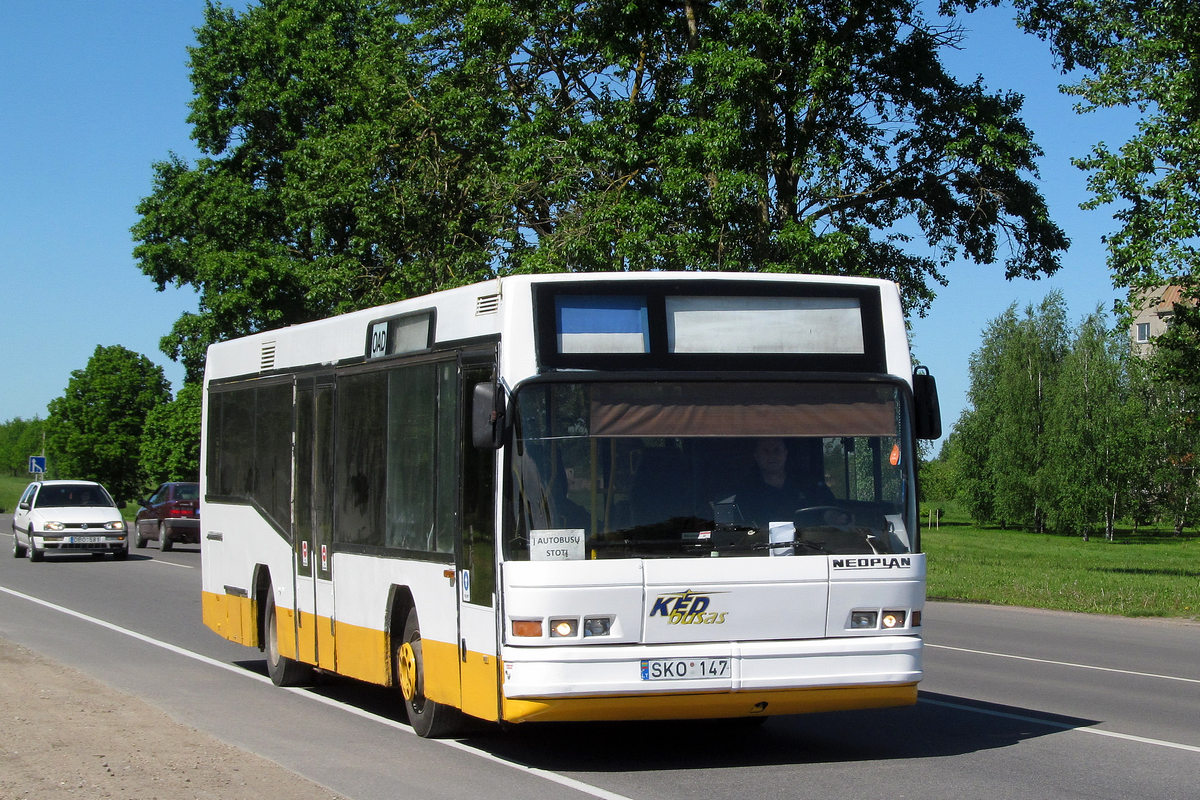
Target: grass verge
1153	574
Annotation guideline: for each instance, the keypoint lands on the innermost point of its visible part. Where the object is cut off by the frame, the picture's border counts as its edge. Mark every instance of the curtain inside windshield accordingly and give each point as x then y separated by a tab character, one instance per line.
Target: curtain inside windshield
621	470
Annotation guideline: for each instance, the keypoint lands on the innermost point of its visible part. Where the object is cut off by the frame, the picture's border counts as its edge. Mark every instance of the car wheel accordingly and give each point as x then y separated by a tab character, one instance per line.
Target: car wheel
138	540
34	553
164	541
18	551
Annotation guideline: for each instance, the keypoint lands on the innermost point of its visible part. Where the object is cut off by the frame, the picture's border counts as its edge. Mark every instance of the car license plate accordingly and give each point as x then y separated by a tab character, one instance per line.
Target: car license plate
677	669
87	540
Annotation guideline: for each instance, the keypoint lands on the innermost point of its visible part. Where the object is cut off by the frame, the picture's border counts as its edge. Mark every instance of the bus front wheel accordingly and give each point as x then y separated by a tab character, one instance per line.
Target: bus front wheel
428	718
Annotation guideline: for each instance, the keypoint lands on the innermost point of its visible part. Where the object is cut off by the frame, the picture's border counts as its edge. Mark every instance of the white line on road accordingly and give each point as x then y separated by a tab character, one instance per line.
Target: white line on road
170	564
1064	663
562	780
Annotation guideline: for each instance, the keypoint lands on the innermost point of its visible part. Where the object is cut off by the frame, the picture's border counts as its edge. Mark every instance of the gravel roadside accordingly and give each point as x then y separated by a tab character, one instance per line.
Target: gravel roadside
65	735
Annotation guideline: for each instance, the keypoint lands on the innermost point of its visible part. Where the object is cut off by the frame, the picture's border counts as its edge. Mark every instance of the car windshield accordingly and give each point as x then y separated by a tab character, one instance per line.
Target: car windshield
74	495
664	470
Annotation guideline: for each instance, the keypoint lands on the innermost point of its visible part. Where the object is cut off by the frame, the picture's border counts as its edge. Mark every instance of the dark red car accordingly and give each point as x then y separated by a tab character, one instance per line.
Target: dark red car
171	514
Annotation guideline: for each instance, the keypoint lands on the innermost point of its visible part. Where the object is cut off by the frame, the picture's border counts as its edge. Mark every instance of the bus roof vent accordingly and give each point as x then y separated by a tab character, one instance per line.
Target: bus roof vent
267	359
487	304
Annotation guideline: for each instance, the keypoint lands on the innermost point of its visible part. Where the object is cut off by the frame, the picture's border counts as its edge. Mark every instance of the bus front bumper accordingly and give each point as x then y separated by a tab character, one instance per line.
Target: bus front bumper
740	679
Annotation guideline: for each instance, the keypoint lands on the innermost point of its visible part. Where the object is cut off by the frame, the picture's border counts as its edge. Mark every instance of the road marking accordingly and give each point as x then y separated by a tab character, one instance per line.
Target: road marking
171	564
1066	726
1064	663
552	777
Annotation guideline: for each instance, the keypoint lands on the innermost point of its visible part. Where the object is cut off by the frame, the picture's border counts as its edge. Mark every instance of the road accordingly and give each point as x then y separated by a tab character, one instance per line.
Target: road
1016	704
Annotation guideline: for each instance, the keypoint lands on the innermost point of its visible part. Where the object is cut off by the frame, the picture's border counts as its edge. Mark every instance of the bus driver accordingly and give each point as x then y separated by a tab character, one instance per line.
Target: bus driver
775	493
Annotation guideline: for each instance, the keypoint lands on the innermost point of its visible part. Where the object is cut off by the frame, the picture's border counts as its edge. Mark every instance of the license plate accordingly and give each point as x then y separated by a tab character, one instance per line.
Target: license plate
678	669
87	540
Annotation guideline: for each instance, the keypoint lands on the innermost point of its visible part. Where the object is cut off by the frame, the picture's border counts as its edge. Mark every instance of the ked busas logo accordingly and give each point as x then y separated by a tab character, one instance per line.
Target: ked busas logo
687	608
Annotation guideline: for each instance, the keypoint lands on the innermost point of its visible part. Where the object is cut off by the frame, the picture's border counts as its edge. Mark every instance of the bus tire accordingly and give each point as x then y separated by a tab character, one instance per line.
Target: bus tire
429	719
283	671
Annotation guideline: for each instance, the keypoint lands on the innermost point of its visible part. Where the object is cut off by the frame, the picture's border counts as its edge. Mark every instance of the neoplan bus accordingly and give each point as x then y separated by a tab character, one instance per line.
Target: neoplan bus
543	498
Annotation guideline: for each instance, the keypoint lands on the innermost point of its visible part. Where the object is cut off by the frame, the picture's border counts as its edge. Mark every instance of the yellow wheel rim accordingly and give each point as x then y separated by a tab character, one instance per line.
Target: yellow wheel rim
406	671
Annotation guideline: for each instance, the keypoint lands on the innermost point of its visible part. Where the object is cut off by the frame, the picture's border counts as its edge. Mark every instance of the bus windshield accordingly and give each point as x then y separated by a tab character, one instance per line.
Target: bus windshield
733	468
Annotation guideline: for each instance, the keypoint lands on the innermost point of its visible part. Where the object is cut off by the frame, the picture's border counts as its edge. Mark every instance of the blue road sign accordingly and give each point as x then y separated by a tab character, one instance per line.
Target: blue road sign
37	465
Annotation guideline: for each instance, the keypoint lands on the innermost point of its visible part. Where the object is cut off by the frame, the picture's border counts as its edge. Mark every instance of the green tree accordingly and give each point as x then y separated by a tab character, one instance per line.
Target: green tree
1171	394
20	439
1004	438
1174	470
170	447
94	430
338	173
1091	438
358	151
1138	54
749	135
937	478
967	456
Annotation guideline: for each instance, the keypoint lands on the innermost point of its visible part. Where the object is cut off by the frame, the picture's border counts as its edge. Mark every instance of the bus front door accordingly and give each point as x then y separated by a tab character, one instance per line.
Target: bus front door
480	669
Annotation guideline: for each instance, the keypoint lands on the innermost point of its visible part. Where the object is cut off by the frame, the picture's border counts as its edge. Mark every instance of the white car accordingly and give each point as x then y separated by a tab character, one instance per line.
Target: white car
68	517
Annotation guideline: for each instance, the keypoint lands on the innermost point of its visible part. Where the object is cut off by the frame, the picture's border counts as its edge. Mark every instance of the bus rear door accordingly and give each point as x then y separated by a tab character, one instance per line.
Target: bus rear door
313	523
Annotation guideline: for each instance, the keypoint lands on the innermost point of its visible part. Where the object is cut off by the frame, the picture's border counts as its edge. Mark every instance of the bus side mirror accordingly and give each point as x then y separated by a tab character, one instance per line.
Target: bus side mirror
927	412
487	416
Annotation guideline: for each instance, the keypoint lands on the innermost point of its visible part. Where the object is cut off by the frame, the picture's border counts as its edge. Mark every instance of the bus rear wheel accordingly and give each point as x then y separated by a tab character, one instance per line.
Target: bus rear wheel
283	671
428	718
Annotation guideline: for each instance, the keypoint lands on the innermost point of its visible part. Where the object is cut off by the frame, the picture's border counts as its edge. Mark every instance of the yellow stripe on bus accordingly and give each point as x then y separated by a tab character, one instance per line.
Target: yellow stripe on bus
231	616
709	706
360	653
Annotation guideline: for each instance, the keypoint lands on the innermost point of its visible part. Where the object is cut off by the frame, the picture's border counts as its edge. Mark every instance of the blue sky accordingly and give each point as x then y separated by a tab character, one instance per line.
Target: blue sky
95	91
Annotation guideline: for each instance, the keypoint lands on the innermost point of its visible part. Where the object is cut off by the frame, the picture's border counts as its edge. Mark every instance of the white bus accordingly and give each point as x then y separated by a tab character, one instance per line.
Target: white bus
578	497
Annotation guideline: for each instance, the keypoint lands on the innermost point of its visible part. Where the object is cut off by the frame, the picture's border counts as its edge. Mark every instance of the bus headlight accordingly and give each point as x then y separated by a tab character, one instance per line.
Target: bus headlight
563	628
893	619
864	619
596	626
